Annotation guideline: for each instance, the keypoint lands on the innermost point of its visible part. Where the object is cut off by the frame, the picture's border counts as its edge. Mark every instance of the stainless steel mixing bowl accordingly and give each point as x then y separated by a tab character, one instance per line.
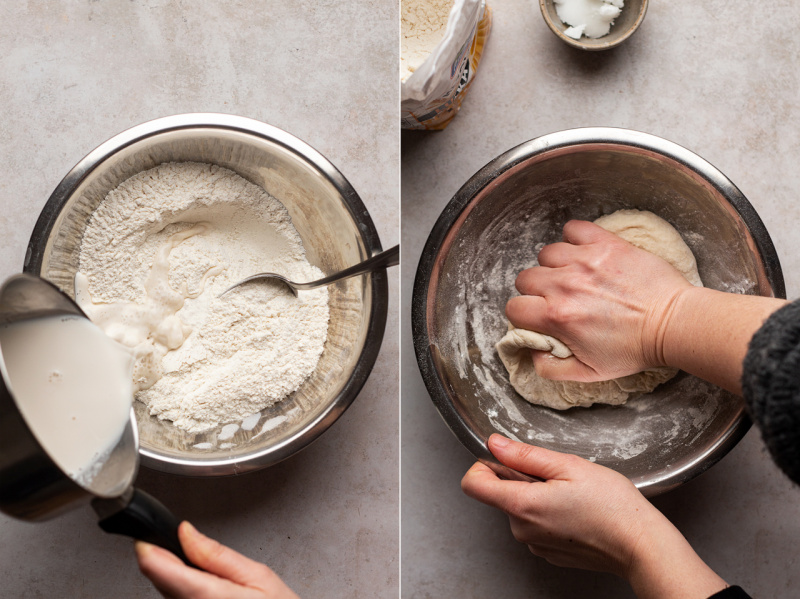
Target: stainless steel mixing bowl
493	228
336	230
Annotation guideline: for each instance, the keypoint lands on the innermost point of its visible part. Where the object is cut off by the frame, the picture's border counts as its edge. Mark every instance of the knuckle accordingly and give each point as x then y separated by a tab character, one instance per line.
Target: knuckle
472	483
268	577
547	366
545	254
467	483
595	262
145	566
573	462
525	452
524	280
213	551
599	256
560	312
514	506
516	308
575	230
518	532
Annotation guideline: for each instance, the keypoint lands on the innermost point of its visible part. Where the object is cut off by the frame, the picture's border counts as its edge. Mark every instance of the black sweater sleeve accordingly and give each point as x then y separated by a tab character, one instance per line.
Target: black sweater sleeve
771	386
731	593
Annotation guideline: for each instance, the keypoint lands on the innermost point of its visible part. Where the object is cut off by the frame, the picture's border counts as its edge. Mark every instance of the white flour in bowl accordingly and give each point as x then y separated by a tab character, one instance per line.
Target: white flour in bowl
155	255
422	24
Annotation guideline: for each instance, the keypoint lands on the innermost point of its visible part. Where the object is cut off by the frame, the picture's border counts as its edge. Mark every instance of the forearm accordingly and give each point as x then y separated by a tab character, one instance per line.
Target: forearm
666	567
706	333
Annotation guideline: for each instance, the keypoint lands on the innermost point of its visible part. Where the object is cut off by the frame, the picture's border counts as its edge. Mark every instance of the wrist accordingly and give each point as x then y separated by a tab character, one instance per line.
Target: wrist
706	333
665	566
665	323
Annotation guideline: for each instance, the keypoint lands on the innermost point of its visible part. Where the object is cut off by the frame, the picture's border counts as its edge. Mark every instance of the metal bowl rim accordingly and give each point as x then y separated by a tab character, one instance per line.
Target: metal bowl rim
536	147
369	234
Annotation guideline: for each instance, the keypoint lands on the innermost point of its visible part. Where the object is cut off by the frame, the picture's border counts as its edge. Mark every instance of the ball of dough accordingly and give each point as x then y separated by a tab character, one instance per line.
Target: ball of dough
645	230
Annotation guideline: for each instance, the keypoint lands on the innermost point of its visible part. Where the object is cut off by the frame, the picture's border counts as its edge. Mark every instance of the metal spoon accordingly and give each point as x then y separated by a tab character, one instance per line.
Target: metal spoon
390	257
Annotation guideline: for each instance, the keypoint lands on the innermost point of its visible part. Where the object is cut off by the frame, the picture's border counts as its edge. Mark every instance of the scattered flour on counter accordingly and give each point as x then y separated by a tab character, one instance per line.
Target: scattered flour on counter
423	24
154	257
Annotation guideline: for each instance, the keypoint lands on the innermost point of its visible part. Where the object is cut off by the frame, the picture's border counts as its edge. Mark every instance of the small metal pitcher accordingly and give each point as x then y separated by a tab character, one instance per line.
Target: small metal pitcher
32	486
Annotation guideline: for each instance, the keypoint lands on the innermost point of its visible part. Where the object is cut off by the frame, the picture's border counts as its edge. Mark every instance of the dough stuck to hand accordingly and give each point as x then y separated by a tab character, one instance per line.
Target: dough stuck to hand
645	230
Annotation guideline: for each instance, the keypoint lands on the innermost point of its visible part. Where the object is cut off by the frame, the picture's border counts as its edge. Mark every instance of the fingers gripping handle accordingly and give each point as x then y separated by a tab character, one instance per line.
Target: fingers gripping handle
141	516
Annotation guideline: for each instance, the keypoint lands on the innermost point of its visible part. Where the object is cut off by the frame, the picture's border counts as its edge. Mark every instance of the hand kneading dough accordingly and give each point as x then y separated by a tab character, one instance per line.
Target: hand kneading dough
645	230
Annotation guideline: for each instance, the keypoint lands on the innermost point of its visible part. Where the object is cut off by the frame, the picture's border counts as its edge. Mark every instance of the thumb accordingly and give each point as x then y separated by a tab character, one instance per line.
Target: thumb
583	232
549	366
216	558
530	459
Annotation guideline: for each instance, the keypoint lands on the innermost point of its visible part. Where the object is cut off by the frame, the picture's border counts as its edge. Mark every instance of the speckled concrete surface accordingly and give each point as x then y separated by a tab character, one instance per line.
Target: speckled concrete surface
73	74
716	77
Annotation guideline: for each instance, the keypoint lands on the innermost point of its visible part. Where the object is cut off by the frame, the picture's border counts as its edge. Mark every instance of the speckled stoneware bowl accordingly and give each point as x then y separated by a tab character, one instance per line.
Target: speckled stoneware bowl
336	230
625	25
492	229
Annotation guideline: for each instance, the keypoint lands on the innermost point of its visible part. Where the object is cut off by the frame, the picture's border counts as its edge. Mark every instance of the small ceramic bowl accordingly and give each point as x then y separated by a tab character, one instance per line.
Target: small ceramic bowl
624	25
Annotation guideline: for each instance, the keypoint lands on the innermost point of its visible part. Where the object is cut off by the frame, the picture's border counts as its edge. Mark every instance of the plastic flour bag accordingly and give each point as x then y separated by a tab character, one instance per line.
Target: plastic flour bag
431	95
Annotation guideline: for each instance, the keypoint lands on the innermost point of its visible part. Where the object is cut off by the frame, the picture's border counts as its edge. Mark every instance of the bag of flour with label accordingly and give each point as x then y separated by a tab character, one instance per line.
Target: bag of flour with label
442	43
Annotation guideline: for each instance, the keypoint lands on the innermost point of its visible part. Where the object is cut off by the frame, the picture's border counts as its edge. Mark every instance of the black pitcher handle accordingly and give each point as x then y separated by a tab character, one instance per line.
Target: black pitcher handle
141	516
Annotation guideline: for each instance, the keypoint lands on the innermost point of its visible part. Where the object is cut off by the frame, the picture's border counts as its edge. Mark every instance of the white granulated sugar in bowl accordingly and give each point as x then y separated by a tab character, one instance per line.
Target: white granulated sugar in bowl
155	255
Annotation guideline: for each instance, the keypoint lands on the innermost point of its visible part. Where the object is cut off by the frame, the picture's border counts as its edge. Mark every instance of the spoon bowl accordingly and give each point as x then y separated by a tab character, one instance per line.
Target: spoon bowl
390	257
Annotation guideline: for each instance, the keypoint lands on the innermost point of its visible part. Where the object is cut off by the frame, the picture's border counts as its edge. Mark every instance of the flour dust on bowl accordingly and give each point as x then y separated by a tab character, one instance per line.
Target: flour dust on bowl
146	232
493	228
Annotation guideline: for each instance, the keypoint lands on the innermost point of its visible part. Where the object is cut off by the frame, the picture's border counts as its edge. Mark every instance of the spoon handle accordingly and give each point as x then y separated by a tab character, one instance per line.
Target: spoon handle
390	257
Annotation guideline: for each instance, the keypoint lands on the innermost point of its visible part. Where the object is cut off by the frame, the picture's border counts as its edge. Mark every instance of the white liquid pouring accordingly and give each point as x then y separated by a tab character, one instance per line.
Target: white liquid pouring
72	384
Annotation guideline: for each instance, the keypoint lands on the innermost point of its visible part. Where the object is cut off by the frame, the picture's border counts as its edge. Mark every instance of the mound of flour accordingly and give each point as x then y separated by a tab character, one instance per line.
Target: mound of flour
155	255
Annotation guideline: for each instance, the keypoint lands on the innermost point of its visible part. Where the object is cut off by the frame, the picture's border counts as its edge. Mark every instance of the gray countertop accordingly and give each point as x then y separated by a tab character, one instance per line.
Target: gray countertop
716	77
720	78
73	75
